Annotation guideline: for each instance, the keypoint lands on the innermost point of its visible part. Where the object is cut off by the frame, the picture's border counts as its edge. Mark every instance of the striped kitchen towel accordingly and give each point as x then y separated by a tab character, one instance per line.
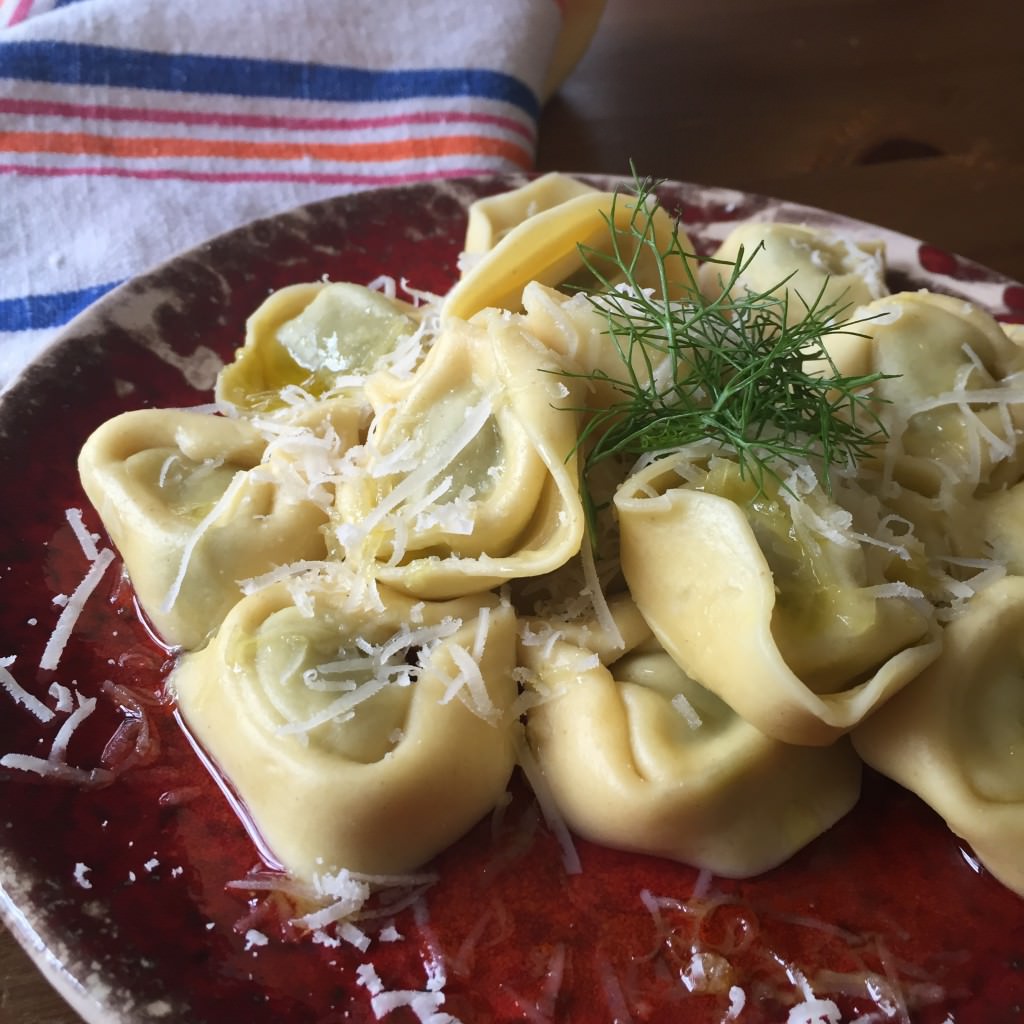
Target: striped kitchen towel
133	129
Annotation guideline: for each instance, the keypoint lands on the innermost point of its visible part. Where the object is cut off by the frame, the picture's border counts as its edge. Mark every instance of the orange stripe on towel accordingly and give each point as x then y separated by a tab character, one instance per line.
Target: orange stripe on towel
74	143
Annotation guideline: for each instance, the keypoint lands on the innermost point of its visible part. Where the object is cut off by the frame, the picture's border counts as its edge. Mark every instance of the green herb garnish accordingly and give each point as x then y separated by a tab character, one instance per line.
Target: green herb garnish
731	369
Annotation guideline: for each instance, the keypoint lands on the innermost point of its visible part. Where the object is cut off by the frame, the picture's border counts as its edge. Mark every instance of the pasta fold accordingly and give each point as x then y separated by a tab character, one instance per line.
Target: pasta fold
946	400
356	736
584	339
491	219
545	247
802	261
638	756
950	402
316	338
196	503
469	476
771	609
955	735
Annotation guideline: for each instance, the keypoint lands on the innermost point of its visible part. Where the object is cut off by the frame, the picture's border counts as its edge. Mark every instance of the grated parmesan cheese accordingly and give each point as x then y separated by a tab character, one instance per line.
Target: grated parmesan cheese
548	807
469	686
596	594
342	709
687	710
322	938
815	1011
398	503
737	1000
342	899
425	1005
285	572
55	766
62	696
86	540
350	893
380	666
57	771
366	975
69	616
85	708
20	695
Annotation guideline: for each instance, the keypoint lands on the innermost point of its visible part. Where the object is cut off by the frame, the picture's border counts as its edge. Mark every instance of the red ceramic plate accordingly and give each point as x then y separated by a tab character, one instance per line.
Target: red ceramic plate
125	884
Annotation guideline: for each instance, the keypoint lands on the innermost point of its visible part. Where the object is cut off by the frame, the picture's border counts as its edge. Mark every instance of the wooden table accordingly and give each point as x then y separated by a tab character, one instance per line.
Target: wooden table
908	115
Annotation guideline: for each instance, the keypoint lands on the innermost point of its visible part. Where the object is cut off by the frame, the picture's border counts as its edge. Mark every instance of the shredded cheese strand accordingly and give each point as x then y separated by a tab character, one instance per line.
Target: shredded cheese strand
596	593
20	695
82	535
57	770
548	807
190	545
476	417
69	615
86	706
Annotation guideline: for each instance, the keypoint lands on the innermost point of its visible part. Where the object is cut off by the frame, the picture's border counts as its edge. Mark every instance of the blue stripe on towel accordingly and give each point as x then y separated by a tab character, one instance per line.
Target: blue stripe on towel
35	312
84	64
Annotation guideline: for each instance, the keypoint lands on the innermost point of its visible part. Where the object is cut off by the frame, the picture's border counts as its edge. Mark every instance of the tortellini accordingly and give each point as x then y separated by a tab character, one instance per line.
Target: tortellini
640	757
356	736
950	413
491	219
813	643
808	264
318	338
955	736
469	476
545	247
194	510
950	401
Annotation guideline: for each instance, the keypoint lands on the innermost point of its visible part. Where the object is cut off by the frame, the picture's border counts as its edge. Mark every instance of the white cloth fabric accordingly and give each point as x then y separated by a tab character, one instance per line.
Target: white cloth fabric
131	130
